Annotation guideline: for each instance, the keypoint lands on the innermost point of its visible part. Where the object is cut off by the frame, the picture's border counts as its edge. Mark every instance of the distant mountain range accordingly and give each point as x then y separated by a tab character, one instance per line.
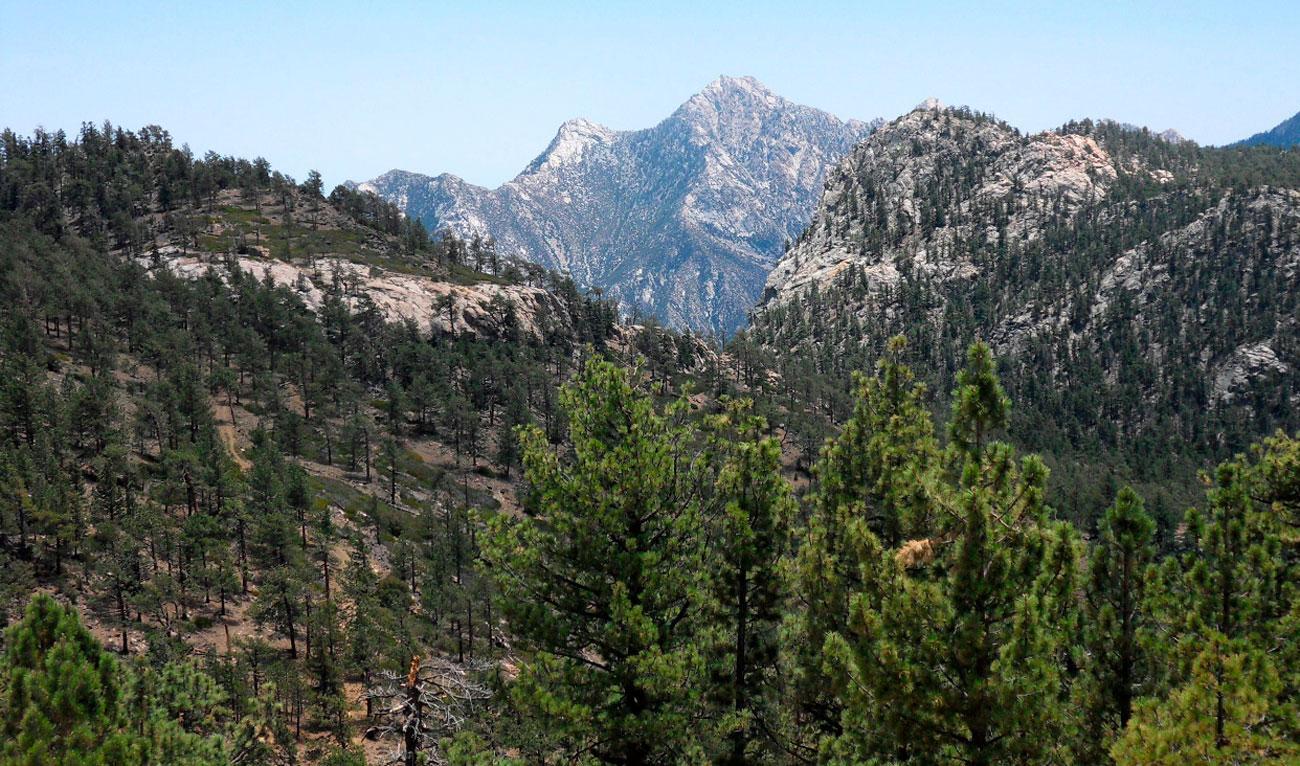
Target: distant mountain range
1286	134
682	221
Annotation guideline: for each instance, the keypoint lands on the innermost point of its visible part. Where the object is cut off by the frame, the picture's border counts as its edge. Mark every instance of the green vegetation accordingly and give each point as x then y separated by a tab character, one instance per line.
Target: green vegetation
199	463
1112	393
66	700
603	587
275	533
938	611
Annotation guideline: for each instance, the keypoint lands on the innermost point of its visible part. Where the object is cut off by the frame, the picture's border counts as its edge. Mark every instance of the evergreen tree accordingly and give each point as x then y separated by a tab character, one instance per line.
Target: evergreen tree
1230	610
65	700
601	584
1114	667
877	470
755	507
1224	713
64	697
953	647
366	634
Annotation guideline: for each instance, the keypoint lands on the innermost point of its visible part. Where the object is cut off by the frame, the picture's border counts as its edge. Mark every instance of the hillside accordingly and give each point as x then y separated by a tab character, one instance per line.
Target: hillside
283	480
681	221
240	418
1142	293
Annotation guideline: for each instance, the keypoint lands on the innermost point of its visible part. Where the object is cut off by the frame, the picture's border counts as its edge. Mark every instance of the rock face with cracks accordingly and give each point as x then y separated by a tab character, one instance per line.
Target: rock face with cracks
892	185
434	305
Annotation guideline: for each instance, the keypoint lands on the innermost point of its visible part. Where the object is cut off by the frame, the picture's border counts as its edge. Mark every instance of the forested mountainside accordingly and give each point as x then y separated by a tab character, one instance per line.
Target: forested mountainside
1284	134
681	221
229	402
260	503
1142	294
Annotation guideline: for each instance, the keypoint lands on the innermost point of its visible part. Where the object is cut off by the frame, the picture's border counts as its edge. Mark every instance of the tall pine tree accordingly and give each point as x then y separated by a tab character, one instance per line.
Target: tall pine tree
1115	668
602	583
1231	613
878	471
952	650
755	505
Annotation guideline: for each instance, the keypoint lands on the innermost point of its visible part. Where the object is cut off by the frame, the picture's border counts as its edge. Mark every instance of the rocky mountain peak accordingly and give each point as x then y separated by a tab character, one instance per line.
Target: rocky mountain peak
1169	292
571	143
582	129
927	177
682	220
728	85
728	103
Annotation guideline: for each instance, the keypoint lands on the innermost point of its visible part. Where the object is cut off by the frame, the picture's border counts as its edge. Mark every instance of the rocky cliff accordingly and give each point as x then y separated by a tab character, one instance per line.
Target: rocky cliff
434	305
314	249
931	179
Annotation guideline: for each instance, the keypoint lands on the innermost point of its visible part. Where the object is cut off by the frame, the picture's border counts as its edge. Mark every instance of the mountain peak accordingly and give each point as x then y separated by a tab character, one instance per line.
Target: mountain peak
681	220
743	84
582	127
931	104
572	142
734	106
729	91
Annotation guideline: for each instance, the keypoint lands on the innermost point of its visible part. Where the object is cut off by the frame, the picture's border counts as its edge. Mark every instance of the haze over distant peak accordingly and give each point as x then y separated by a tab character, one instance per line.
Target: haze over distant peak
1285	134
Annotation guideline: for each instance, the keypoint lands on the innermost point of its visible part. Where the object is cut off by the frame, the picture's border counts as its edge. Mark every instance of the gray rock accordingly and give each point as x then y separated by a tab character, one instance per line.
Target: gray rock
681	221
884	184
943	204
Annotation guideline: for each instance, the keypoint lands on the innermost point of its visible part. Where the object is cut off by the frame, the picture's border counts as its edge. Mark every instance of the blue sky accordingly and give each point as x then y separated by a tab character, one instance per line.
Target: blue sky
479	88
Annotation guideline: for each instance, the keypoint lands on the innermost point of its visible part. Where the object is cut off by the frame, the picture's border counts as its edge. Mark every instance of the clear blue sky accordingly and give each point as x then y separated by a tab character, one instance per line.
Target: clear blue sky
478	88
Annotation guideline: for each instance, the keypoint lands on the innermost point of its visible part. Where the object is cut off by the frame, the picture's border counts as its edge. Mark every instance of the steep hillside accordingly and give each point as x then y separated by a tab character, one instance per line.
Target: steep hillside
243	424
1142	292
681	221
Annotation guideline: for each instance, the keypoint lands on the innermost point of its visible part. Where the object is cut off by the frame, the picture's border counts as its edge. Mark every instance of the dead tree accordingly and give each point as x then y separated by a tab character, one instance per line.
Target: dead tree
433	701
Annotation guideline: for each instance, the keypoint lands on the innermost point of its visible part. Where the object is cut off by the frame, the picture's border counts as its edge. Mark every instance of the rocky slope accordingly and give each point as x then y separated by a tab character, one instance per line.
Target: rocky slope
1137	287
681	221
930	179
433	305
326	251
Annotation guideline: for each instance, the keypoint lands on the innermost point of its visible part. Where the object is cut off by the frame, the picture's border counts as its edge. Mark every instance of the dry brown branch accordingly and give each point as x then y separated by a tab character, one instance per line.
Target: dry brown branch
433	700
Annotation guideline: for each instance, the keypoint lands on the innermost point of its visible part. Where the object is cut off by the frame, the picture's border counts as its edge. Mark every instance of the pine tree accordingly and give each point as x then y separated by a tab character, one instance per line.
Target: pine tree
600	585
1231	613
876	470
756	506
1114	667
1275	491
952	650
190	717
1225	713
64	698
366	634
1276	477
